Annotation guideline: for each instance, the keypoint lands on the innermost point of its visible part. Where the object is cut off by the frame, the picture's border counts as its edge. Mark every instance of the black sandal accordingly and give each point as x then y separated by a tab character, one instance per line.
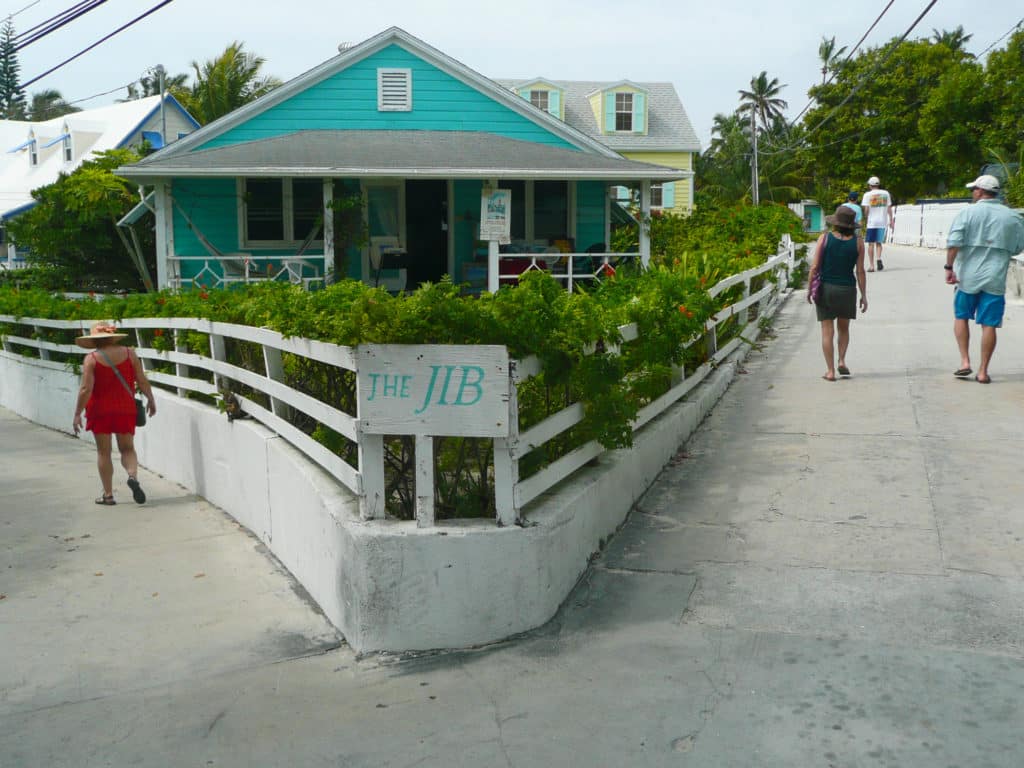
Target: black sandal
106	501
137	493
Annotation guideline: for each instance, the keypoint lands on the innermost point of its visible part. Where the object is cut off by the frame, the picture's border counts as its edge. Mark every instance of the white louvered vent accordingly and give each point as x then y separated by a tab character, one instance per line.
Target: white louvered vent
394	90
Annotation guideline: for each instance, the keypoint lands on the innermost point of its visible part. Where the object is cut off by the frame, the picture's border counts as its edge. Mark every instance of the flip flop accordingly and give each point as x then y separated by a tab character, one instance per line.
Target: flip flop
137	493
843	370
961	372
106	501
983	381
826	378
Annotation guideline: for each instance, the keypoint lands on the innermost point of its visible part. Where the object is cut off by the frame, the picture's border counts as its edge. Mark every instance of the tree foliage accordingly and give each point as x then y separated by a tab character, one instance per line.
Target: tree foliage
71	229
225	83
49	104
149	83
12	97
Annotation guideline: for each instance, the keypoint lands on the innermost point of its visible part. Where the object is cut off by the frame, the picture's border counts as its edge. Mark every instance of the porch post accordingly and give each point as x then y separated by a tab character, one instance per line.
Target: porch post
645	217
329	228
492	253
164	233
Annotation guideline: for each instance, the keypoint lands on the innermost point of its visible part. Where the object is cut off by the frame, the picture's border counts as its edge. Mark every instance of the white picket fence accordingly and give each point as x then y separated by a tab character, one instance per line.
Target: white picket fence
204	375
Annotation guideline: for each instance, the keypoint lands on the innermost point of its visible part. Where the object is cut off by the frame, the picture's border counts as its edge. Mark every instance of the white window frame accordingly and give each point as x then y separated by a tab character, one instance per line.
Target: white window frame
540	95
291	238
656	190
625	110
66	147
33	152
394	89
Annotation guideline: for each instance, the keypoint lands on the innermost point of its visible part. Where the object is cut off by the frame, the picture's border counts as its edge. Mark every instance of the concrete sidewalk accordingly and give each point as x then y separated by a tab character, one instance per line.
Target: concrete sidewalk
829	574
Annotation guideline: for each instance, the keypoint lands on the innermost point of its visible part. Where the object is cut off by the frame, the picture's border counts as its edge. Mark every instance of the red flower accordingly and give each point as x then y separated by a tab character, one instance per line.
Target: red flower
682	309
689	313
158	332
161	301
204	295
609	270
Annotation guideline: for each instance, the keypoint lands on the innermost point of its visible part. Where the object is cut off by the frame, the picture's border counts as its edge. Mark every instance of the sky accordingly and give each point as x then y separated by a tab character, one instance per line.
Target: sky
708	50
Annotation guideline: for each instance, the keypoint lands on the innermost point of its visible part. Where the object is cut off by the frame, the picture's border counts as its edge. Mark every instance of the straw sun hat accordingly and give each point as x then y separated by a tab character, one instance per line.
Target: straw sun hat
97	333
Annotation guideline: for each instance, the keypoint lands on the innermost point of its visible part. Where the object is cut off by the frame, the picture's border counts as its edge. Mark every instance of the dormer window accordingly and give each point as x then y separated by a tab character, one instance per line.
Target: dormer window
66	148
623	111
539	99
394	90
33	154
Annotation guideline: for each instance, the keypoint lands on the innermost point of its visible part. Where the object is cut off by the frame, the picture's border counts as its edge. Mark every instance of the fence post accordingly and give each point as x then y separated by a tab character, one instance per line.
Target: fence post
44	354
180	369
219	353
506	466
274	365
424	447
371	474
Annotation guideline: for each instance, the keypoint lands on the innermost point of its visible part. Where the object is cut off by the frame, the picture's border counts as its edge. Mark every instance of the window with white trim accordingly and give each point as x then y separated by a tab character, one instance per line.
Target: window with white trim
66	147
656	197
280	212
394	90
623	111
33	153
539	99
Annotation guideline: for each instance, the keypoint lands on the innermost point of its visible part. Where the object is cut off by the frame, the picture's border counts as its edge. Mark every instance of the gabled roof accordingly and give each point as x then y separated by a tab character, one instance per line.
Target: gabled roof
668	126
92	131
355	54
395	154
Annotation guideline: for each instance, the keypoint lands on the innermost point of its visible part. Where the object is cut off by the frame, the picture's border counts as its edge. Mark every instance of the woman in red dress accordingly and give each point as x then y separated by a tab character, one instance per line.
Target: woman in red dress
109	405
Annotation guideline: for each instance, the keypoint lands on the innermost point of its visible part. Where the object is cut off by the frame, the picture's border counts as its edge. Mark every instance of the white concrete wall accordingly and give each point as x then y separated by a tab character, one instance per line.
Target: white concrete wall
386	584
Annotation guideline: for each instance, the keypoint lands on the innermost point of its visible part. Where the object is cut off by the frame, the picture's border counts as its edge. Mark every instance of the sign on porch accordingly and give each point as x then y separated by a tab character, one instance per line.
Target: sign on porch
496	214
460	391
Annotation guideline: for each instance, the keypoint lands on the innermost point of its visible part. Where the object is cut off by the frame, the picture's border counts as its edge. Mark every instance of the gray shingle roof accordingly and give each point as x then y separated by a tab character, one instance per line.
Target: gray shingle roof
668	130
375	153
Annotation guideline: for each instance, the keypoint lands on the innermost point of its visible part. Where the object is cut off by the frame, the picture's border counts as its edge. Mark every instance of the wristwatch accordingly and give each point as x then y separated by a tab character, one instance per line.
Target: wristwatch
947	266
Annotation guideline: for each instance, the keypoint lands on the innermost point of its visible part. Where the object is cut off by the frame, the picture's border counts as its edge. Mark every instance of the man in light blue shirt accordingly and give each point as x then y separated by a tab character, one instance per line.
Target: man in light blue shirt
978	250
858	212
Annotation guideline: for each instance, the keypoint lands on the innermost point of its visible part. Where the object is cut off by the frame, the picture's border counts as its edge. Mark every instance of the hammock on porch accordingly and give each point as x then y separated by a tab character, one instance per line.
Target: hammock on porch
236	264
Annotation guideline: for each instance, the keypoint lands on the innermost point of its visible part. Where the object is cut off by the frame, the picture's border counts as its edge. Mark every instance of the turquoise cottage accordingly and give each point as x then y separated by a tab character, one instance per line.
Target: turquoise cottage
417	138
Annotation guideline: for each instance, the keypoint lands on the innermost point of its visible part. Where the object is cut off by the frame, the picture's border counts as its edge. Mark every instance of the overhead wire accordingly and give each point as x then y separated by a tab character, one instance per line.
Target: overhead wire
38	32
1009	32
22	10
103	39
848	57
860	84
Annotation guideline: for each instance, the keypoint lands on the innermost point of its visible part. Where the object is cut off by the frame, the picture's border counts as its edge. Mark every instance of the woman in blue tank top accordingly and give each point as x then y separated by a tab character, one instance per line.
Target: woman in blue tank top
839	260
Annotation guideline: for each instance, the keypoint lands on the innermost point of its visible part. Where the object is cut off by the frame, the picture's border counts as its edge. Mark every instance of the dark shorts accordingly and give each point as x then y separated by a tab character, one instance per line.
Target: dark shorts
837	301
875	235
983	308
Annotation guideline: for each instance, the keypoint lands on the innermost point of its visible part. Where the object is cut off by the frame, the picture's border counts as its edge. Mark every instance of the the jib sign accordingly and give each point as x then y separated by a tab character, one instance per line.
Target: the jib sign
460	391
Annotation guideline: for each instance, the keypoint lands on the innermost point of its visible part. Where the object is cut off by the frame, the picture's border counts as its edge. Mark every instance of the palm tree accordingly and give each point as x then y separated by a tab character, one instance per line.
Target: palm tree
829	56
149	83
49	104
224	84
763	100
955	40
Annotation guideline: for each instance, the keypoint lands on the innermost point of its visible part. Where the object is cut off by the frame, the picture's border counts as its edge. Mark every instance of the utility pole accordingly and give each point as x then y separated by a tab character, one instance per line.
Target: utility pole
755	195
163	115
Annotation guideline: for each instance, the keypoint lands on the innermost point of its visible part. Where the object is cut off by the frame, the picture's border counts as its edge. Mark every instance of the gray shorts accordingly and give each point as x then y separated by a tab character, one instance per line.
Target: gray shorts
837	301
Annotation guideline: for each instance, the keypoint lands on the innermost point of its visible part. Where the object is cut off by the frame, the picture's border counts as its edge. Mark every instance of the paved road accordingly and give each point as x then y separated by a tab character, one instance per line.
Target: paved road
829	575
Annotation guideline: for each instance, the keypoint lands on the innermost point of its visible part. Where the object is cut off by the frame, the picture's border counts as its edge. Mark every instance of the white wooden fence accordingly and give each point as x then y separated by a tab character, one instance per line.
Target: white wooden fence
205	374
925	225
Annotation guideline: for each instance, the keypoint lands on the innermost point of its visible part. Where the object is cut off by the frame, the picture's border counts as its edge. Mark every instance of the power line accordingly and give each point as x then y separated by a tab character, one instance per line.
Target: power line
40	31
1008	33
848	57
863	80
105	93
103	39
12	15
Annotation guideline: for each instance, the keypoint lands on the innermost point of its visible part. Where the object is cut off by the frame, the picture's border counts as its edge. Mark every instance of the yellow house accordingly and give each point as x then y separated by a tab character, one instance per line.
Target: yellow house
640	121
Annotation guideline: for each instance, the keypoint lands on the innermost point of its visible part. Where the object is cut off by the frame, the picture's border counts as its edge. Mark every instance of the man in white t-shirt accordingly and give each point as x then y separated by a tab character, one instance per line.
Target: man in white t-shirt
877	205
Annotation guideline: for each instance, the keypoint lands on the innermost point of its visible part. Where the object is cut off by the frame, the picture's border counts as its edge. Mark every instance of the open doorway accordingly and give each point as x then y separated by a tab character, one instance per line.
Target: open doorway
426	223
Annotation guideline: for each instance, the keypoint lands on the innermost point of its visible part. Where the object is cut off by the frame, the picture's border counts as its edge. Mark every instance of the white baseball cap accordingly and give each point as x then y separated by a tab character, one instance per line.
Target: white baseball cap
873	181
987	182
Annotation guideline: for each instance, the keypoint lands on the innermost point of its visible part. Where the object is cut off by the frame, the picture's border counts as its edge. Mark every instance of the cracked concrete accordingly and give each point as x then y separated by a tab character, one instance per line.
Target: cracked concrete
828	574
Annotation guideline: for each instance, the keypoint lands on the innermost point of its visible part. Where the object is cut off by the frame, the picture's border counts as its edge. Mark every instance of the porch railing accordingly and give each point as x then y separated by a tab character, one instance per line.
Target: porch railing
207	375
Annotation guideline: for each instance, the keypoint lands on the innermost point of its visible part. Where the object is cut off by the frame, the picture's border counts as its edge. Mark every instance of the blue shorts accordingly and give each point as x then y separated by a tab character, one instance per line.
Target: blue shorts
983	308
875	235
